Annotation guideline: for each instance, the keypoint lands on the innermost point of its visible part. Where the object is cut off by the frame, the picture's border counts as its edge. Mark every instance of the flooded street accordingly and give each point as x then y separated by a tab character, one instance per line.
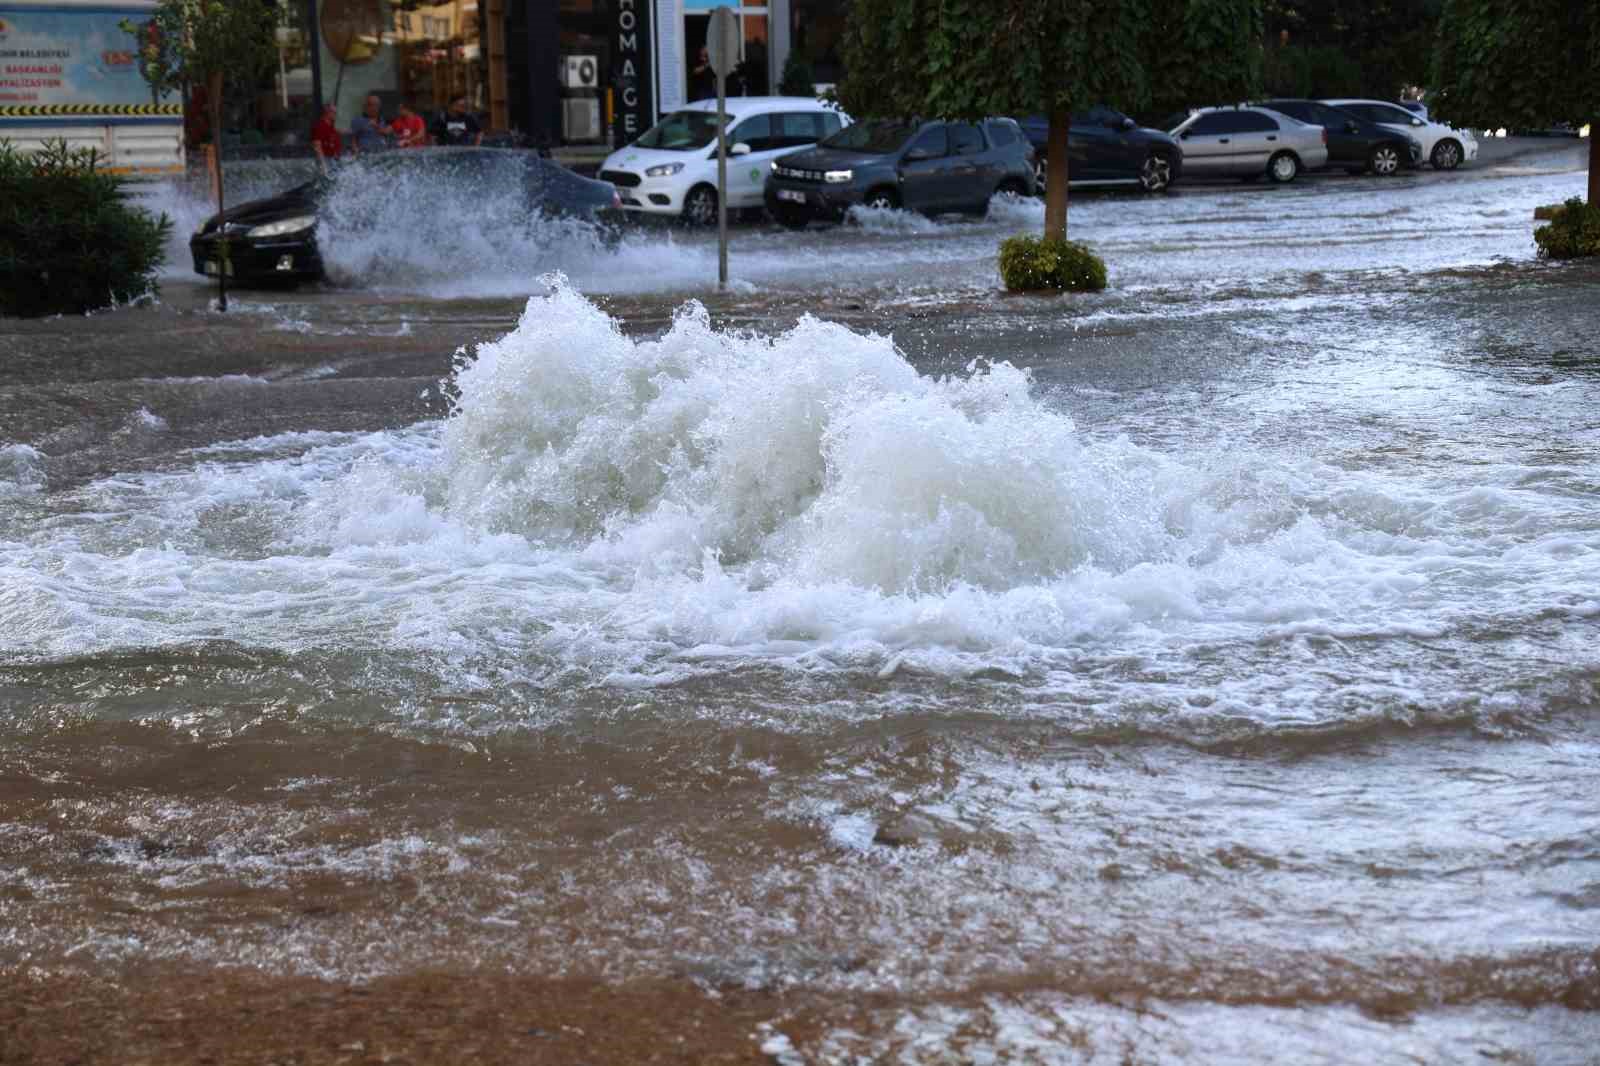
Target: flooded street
1202	671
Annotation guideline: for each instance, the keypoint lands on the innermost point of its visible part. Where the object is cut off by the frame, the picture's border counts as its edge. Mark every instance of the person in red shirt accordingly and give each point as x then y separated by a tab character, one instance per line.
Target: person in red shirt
325	139
409	129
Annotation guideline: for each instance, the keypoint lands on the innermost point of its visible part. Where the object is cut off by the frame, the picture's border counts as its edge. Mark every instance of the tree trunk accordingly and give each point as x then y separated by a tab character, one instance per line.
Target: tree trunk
1594	161
214	94
1055	182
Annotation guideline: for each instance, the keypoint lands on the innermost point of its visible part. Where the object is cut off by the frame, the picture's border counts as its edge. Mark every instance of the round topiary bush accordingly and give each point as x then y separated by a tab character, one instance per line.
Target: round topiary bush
69	242
1572	233
1031	264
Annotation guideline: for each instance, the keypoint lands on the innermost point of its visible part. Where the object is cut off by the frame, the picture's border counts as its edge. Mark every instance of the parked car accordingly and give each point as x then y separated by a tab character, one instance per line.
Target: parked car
932	167
276	239
672	169
1444	147
1106	147
1247	142
1354	143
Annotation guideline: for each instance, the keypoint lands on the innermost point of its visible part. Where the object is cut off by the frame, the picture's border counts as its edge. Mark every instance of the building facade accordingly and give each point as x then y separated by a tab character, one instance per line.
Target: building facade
555	73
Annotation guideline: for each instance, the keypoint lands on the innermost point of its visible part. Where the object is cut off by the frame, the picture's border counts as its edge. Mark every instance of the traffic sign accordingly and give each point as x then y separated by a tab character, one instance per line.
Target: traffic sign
722	41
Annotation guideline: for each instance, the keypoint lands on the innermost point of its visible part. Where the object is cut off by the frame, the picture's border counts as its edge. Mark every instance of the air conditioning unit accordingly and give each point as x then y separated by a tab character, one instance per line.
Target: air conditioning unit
580	119
581	72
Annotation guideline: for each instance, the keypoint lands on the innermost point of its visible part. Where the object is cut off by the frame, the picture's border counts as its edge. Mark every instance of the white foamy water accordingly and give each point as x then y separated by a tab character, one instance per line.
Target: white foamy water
614	512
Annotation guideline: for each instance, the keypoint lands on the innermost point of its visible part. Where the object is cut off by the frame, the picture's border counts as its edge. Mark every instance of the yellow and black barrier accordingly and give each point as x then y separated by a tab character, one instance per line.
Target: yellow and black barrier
91	110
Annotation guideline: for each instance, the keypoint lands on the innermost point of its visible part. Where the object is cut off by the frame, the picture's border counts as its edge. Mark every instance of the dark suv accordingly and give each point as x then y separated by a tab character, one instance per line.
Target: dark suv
1106	147
932	167
1354	143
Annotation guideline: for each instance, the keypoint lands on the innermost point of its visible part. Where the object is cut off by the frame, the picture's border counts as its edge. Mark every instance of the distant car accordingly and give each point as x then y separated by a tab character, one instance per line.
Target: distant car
1444	147
932	167
1354	143
1106	147
1247	142
275	240
672	169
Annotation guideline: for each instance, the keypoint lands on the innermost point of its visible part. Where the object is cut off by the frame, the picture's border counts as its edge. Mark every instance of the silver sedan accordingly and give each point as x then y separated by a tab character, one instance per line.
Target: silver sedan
1246	142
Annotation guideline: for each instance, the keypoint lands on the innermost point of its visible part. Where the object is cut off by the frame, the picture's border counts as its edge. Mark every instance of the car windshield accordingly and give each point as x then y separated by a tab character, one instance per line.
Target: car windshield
874	137
681	131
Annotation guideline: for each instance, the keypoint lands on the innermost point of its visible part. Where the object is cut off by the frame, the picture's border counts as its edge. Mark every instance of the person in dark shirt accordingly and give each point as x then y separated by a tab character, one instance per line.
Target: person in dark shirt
457	125
702	79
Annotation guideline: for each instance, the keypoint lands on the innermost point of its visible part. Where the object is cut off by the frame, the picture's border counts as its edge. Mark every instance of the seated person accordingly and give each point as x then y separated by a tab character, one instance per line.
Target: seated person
368	131
408	128
458	126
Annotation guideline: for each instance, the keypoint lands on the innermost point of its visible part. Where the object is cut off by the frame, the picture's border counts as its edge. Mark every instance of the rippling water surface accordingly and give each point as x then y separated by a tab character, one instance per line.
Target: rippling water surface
1202	671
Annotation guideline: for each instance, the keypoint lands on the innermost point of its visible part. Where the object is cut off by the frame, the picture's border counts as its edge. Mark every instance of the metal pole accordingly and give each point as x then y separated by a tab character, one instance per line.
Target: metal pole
722	182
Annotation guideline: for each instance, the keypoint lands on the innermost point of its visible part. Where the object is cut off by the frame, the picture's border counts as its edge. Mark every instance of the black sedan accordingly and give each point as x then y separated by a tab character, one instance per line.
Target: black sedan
1355	144
275	240
931	167
1107	148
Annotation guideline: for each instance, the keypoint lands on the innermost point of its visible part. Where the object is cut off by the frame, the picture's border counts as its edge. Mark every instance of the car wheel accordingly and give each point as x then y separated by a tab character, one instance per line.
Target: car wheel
881	200
1384	161
700	206
1446	155
1156	174
1283	168
792	218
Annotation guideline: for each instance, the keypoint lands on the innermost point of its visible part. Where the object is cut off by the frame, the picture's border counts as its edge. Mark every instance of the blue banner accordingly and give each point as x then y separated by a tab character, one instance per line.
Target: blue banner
64	61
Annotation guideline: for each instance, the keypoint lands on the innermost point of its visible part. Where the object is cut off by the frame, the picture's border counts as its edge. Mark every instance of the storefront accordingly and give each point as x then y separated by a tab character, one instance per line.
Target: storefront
552	73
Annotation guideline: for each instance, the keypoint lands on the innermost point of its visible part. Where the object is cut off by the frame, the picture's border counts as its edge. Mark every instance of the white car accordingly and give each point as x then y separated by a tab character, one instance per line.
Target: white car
1443	146
672	169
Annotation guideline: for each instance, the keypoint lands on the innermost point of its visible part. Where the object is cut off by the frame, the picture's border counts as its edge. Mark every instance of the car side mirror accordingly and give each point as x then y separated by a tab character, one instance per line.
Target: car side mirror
739	149
1184	136
1418	122
1126	124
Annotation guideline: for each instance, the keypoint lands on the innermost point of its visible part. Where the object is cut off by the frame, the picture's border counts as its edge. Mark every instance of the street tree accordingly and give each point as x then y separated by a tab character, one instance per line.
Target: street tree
1526	65
969	59
218	44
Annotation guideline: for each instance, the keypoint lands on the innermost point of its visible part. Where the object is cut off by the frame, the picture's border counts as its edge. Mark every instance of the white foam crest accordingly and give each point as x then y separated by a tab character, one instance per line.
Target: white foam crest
891	220
819	455
468	234
1013	210
22	470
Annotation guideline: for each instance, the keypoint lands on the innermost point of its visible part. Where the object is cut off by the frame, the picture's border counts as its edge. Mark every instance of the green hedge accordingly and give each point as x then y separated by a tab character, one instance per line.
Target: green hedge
69	242
1573	231
1029	264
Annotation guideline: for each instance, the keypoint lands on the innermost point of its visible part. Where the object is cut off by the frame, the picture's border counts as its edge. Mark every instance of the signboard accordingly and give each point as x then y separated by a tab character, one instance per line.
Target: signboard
632	70
66	64
722	41
669	53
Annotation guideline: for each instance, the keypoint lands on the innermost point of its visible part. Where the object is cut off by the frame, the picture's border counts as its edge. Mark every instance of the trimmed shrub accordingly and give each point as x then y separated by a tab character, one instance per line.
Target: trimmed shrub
1546	213
1573	231
797	78
1028	264
69	242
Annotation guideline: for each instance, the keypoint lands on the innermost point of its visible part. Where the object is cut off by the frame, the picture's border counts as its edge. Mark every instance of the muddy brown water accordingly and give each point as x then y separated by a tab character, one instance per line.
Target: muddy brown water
1202	671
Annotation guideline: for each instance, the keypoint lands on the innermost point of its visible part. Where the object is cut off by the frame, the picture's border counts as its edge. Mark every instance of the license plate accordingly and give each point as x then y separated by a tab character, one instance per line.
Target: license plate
790	194
214	268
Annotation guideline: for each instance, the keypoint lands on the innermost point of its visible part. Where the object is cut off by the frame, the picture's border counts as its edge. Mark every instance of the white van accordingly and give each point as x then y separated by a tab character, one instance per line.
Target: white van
672	169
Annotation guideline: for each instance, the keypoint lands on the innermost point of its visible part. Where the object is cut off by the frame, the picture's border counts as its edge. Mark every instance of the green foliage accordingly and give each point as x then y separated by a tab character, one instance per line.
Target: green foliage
1572	233
1524	65
797	79
186	42
1352	47
1312	71
1031	264
69	242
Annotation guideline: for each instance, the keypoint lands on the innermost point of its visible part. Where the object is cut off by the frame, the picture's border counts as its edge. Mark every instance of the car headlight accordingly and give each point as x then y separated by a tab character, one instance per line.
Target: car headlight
838	177
278	229
665	170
